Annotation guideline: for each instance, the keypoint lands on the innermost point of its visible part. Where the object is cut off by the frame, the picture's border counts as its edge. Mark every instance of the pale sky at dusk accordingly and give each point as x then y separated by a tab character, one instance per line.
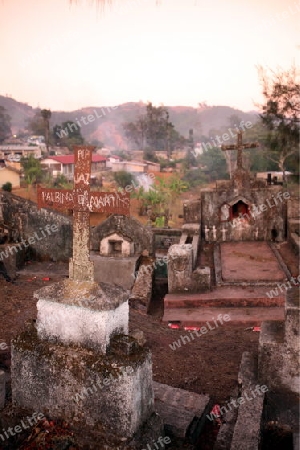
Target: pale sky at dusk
181	52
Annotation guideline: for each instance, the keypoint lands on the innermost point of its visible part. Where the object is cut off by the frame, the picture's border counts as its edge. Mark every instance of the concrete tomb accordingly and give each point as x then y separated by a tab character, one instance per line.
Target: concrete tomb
116	248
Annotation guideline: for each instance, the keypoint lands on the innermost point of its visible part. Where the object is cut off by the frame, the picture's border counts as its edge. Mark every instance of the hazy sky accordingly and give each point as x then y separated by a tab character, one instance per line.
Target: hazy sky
180	52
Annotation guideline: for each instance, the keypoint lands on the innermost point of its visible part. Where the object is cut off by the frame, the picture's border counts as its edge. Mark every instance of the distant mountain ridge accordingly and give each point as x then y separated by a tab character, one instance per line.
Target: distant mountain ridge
106	124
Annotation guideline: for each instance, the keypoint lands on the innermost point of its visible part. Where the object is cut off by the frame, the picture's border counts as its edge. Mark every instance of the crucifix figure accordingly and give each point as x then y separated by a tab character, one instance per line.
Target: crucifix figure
83	202
239	146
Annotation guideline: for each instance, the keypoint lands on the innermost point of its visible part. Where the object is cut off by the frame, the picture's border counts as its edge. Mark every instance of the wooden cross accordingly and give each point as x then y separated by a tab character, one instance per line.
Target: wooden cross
83	202
239	146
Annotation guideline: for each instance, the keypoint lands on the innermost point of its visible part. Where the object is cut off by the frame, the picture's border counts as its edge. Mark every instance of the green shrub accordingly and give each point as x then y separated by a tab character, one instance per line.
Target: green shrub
7	186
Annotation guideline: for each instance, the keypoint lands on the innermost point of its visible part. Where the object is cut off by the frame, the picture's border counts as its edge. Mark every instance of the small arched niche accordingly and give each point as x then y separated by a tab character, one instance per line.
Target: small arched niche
239	209
116	245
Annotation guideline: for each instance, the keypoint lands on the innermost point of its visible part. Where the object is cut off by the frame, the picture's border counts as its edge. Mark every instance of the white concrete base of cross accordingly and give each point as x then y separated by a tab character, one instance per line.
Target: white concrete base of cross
82	313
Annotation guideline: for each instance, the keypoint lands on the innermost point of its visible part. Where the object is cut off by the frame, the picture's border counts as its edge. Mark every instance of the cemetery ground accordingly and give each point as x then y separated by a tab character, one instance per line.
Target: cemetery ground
208	364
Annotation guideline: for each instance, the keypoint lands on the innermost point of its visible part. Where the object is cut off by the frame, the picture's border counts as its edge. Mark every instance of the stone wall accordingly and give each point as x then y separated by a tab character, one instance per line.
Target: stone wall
278	357
26	221
165	237
192	211
293	208
293	223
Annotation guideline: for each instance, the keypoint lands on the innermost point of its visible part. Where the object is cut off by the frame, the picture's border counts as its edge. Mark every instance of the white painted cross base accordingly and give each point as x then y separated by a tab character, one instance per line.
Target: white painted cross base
82	313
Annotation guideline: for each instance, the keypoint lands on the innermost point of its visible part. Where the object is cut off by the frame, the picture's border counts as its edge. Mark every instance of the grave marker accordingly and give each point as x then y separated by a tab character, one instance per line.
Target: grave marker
83	202
239	146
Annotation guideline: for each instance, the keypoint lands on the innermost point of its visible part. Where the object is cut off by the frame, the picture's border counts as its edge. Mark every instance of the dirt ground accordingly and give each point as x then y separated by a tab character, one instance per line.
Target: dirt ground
208	364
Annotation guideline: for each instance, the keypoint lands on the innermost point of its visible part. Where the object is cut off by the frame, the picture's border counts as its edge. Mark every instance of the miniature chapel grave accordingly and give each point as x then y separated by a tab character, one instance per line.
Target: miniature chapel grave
117	246
239	221
78	362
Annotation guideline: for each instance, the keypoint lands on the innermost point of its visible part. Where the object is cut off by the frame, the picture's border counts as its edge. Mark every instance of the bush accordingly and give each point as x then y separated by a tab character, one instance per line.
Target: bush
195	177
123	178
7	186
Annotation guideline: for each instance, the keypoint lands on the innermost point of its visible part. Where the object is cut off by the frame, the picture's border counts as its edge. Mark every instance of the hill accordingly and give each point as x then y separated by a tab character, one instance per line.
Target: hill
106	124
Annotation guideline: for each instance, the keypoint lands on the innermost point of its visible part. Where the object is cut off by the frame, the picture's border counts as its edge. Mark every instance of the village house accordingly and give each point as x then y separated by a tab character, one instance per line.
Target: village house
112	159
17	151
9	175
64	165
129	166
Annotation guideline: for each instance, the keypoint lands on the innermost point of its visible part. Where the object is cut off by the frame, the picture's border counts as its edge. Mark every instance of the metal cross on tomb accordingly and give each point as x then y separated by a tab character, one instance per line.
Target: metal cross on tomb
83	201
239	146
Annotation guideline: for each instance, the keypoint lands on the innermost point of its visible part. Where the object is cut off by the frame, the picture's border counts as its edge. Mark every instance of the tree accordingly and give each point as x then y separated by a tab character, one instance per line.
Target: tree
136	132
195	177
123	178
36	125
280	113
5	119
177	186
214	162
67	134
33	171
153	131
46	115
61	182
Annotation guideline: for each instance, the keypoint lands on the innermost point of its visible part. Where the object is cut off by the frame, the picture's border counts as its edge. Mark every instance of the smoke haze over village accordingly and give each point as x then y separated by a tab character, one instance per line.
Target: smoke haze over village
65	56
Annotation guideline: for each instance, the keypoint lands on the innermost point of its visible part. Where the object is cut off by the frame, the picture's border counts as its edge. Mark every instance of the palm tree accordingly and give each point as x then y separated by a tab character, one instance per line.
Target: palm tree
46	115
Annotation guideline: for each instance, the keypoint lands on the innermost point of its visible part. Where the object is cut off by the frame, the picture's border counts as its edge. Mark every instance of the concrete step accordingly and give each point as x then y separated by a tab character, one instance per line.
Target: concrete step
183	412
253	316
227	296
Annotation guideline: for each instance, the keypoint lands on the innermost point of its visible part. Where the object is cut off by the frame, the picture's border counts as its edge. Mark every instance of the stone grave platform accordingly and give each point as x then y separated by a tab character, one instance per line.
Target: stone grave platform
244	304
251	287
228	296
249	262
192	317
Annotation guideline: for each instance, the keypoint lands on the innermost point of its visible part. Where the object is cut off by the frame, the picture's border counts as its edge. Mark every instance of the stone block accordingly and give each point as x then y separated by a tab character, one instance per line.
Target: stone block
292	318
180	410
296	441
192	211
84	313
202	279
278	364
2	389
11	257
141	292
139	336
119	271
247	430
180	266
112	392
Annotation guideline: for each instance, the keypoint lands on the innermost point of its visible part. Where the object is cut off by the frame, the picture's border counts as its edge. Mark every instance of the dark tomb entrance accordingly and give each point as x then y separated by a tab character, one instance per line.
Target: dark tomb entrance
115	248
239	209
